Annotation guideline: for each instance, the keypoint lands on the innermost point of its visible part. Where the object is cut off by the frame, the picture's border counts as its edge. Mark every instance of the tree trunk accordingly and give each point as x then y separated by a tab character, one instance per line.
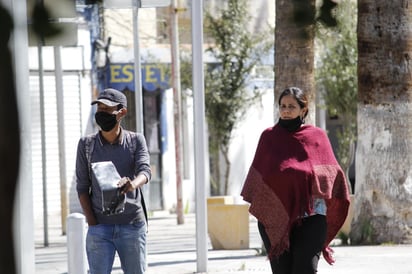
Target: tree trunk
214	172
383	195
294	50
228	164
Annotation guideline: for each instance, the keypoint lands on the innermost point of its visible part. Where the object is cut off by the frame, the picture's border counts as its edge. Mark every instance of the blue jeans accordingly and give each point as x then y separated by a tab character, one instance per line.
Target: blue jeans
128	240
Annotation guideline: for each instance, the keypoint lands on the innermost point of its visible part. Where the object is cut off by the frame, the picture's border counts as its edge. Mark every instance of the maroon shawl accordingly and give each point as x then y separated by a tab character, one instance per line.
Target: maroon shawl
288	170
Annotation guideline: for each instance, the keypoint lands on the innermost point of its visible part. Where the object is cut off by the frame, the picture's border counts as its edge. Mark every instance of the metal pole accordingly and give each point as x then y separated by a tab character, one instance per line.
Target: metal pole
199	134
58	73
43	144
138	92
137	69
177	97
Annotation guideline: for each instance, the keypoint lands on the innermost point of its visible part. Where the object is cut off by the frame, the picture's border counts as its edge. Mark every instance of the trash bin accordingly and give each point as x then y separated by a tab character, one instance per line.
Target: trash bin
228	223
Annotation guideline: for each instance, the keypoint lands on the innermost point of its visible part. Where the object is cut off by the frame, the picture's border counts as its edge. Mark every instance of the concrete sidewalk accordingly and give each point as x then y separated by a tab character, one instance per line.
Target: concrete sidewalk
172	250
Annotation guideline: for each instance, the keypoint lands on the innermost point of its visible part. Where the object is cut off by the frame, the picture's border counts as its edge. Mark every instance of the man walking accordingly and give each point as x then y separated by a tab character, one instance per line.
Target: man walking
116	214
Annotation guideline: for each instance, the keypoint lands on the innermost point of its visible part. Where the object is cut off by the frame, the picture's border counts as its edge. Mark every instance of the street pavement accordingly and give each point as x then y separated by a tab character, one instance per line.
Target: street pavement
172	250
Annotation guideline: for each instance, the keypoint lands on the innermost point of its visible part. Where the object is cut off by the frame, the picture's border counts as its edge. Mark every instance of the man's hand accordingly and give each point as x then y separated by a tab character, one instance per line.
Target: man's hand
86	205
126	185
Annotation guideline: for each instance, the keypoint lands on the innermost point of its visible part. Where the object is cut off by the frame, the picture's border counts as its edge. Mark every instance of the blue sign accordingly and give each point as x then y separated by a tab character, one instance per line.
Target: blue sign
154	77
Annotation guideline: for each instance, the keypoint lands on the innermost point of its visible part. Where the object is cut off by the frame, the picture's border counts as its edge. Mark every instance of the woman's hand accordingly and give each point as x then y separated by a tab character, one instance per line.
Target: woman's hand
327	253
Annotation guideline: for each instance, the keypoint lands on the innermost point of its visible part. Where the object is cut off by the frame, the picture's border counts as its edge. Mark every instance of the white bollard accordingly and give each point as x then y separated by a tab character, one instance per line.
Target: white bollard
76	244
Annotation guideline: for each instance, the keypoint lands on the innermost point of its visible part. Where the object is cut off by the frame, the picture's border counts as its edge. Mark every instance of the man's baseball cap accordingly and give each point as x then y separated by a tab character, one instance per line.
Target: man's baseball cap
111	97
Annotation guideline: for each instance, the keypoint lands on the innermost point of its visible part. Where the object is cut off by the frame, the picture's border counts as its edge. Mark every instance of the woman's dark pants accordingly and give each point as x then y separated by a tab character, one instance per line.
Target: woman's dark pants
306	242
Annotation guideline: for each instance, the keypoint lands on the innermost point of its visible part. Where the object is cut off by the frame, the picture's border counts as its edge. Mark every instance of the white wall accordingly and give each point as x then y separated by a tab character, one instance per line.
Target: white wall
169	162
259	117
242	150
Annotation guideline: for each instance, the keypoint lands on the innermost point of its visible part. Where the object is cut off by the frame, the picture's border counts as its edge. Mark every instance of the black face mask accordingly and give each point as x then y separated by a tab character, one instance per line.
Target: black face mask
291	124
105	120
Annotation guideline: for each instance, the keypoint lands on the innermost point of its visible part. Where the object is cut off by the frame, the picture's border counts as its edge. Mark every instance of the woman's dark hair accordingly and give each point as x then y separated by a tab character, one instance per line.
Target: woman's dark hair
299	95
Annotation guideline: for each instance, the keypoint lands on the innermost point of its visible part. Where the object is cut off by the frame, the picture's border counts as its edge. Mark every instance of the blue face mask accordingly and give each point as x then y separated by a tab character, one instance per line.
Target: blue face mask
291	124
106	121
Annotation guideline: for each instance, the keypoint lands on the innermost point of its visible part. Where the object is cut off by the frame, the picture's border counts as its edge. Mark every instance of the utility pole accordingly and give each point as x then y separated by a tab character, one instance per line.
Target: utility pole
60	129
177	109
201	161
